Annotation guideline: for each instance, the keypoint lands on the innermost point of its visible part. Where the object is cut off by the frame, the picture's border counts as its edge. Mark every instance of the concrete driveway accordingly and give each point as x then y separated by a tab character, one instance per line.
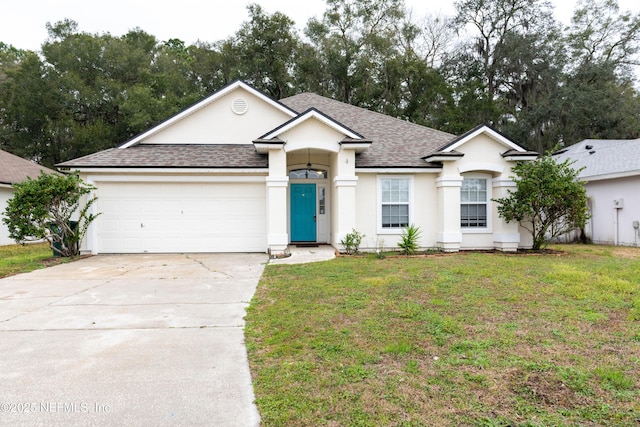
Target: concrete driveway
129	340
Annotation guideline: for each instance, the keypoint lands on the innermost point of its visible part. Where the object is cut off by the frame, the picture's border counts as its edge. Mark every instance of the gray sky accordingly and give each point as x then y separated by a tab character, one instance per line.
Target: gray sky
22	22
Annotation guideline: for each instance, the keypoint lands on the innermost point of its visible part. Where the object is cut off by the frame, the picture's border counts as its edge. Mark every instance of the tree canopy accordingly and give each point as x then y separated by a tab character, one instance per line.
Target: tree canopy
508	63
549	200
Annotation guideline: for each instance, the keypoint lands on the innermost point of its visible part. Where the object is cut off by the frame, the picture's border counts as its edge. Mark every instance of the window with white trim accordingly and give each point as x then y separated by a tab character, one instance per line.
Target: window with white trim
395	197
474	200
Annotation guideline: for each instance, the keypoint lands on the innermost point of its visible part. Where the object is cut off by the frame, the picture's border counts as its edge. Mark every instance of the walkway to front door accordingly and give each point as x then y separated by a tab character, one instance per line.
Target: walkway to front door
303	212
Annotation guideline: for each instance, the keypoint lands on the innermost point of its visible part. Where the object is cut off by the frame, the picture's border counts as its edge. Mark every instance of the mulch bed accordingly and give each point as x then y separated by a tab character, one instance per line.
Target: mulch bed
520	252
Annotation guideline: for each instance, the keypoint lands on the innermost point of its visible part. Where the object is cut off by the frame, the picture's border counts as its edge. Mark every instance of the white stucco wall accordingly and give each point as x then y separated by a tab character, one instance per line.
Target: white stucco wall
435	202
483	159
218	124
311	135
6	193
423	212
605	219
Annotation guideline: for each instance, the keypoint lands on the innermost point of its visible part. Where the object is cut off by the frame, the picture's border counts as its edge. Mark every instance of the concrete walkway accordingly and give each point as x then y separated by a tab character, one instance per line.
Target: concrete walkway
150	340
303	255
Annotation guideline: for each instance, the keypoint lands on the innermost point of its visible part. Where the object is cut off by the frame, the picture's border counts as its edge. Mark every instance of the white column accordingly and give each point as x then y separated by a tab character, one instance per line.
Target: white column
449	231
277	183
344	182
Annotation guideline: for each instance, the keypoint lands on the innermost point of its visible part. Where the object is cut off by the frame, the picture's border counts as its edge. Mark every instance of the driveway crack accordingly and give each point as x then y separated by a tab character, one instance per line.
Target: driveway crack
206	267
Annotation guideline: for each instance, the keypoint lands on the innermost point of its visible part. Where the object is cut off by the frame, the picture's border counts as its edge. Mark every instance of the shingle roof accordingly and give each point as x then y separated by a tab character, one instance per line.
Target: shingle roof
173	156
602	157
14	169
396	143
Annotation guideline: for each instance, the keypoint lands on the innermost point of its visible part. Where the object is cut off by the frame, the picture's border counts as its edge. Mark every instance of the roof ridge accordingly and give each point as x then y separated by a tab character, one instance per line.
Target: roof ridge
348	105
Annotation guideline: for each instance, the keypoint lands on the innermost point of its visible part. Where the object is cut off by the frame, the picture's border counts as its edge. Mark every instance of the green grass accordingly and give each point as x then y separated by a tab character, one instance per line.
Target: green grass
474	339
15	259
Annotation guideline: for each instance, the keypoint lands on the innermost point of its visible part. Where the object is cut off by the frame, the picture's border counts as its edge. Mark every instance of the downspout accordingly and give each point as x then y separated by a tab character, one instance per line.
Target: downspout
617	205
615	227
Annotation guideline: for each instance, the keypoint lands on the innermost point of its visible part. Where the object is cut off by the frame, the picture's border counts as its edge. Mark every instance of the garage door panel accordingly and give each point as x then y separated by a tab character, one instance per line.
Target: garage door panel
181	217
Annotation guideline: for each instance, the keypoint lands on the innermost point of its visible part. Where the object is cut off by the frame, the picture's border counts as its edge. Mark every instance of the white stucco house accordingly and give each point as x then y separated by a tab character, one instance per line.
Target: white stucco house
13	169
239	172
612	181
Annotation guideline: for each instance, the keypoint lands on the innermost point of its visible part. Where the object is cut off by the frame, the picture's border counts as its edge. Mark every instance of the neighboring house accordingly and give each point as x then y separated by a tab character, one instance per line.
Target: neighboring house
238	171
13	169
612	175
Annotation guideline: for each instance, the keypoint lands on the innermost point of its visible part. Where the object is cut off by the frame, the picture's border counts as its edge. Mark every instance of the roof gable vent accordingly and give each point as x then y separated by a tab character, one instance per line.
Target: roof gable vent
239	106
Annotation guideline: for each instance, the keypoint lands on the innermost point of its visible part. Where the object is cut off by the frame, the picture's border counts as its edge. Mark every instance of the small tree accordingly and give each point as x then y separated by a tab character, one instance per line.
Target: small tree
548	201
43	208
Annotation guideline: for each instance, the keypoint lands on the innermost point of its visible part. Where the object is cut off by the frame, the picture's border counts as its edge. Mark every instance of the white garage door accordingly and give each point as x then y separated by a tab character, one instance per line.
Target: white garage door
180	217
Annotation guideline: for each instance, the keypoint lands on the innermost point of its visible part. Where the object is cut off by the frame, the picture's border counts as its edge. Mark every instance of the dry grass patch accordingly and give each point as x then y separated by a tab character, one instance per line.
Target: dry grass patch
626	252
465	339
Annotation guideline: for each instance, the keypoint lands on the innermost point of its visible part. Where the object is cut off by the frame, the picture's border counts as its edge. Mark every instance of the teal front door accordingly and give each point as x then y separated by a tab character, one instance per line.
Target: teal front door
303	212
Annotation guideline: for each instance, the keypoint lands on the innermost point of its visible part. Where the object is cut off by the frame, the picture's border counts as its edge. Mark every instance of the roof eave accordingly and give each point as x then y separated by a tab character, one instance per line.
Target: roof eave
520	156
432	168
318	115
358	145
439	157
164	169
611	175
481	129
264	145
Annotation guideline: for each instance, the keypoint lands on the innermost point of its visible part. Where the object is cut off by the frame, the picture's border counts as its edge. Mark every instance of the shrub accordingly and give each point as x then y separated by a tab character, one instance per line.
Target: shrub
409	240
43	209
351	242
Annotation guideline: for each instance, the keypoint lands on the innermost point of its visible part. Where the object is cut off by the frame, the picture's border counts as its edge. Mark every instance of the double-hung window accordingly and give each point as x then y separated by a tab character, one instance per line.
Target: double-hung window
474	197
395	194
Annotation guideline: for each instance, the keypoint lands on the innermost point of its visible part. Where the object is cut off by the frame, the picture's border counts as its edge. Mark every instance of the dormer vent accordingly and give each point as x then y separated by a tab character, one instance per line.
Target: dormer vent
239	106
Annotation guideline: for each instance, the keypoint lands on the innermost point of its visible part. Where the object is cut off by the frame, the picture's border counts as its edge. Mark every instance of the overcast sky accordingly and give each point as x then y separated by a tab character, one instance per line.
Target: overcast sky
22	22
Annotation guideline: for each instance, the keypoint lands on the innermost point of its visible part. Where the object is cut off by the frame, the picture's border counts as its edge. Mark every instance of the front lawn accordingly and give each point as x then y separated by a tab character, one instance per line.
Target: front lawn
463	339
16	259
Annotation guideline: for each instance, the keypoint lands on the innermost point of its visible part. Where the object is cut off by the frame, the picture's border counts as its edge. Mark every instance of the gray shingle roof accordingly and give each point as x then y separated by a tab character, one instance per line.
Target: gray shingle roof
396	143
601	157
14	169
174	156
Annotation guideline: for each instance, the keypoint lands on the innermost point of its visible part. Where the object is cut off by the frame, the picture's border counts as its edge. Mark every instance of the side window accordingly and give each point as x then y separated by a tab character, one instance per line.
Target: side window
394	202
474	197
321	200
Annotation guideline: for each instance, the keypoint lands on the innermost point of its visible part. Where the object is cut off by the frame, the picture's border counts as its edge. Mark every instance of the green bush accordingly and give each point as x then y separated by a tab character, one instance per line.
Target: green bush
43	208
351	242
409	240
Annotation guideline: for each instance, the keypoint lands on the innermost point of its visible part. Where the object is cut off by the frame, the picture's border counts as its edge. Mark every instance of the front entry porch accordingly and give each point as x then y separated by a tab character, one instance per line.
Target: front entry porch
311	183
